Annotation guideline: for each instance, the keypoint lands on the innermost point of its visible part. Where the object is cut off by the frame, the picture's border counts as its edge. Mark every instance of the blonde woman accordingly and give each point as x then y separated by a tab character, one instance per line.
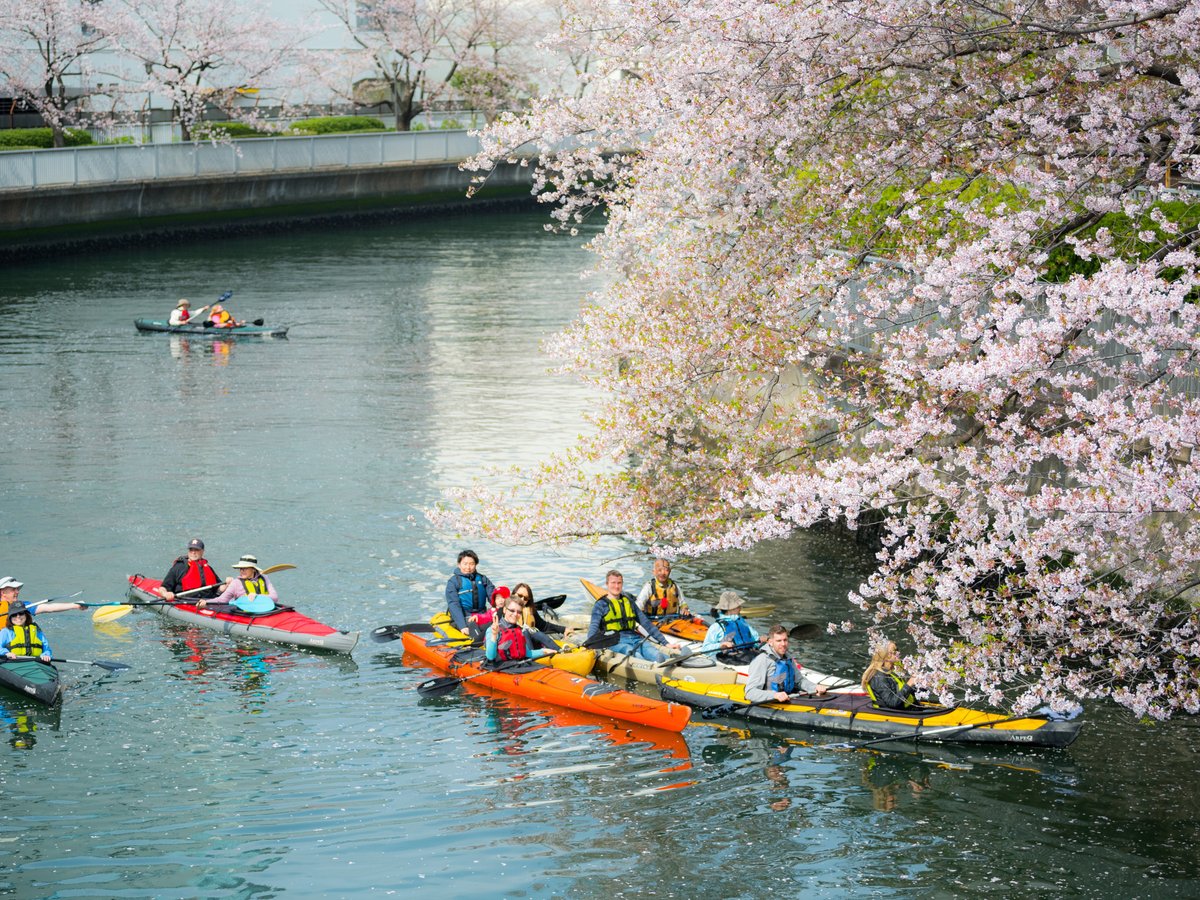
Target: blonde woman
886	688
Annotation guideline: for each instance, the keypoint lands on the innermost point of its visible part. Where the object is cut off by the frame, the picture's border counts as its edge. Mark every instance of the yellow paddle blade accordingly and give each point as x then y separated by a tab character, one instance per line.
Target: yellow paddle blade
765	610
109	613
281	567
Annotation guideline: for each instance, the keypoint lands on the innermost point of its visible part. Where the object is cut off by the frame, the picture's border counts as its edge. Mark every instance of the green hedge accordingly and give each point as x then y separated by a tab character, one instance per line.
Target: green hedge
40	138
337	125
206	130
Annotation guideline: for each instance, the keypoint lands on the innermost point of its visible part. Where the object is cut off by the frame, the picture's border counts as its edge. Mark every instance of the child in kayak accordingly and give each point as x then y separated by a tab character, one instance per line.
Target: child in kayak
22	637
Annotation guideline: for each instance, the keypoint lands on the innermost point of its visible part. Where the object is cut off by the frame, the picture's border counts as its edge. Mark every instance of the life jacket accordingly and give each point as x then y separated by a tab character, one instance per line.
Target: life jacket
511	643
736	630
197	576
221	318
257	598
27	640
783	676
622	617
654	603
908	701
470	594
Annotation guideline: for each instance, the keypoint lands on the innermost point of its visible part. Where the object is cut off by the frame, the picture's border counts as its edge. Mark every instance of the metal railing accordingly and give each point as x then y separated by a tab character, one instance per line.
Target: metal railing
116	163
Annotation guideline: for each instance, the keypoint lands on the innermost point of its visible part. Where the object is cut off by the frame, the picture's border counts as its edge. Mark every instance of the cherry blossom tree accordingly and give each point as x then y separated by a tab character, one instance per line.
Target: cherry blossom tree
409	52
922	266
47	52
204	53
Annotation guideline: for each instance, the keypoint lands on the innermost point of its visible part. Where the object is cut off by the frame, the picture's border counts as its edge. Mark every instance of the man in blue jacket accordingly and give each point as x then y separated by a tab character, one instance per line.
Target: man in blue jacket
468	591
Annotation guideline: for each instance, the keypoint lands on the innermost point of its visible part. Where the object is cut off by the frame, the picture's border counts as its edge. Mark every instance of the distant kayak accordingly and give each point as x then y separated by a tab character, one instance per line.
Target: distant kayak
31	678
240	331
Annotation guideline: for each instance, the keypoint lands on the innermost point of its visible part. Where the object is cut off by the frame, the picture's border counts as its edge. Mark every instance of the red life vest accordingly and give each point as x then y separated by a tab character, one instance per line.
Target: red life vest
511	643
197	576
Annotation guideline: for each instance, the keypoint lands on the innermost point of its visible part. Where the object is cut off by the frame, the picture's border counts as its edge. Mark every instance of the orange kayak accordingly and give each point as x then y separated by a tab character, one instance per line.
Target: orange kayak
690	628
552	686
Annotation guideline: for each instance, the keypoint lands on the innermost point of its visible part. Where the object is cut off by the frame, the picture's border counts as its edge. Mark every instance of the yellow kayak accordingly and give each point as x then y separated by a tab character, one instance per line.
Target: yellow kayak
576	660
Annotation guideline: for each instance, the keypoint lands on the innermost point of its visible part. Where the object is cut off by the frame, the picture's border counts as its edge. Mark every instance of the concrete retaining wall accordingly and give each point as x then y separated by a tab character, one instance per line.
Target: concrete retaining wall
34	222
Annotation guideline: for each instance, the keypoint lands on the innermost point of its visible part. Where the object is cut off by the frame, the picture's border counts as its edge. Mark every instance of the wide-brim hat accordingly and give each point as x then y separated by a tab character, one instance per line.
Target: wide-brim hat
729	601
247	562
15	609
184	301
9	581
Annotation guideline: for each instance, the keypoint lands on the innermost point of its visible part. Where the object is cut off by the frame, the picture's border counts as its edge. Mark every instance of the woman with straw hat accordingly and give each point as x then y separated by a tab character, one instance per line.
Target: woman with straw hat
250	592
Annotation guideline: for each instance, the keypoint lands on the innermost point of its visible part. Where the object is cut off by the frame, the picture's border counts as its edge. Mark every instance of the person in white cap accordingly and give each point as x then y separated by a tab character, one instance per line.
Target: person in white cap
250	592
10	588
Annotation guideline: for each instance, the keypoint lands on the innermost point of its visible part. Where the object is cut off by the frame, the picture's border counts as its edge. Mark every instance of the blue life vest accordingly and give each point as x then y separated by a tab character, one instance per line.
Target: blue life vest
471	590
783	678
737	631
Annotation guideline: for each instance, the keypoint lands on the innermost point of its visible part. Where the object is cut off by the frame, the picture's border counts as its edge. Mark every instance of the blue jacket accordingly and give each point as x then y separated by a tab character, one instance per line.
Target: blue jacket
475	591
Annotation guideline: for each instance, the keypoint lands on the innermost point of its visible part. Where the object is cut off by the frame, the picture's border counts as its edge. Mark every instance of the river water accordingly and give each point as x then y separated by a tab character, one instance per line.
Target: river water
222	769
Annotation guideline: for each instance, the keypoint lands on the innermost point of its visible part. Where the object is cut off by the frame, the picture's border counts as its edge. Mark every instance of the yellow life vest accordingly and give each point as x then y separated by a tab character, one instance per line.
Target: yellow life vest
620	616
255	585
654	605
27	640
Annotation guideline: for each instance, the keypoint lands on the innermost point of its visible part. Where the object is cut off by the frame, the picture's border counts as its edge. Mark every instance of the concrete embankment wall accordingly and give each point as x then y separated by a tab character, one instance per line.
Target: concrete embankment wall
40	221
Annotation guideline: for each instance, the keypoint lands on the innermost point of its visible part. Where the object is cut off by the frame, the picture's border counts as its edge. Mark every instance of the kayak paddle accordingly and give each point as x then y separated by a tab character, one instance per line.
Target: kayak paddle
806	631
107	612
385	633
102	663
551	602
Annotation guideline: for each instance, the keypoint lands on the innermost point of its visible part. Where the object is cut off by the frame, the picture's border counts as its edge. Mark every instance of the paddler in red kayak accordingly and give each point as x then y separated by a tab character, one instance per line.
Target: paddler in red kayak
250	592
190	572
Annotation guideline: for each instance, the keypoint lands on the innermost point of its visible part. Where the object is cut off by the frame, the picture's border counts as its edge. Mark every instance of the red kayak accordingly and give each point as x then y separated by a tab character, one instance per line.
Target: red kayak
283	625
557	686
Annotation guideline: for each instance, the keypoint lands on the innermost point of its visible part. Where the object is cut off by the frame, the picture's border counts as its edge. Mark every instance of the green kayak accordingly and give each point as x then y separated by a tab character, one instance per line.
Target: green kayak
31	678
200	330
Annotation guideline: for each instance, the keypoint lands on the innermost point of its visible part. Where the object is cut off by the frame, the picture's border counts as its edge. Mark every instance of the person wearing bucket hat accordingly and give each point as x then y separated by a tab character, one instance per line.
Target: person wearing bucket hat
468	592
660	596
731	636
21	637
190	572
10	588
183	312
251	591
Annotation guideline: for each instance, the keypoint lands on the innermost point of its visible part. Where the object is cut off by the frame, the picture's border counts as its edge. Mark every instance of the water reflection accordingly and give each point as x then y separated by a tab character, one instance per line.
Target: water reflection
247	669
520	721
22	722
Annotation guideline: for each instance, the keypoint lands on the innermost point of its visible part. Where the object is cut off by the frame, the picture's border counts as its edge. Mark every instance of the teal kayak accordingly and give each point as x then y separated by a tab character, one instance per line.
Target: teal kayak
31	678
200	330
